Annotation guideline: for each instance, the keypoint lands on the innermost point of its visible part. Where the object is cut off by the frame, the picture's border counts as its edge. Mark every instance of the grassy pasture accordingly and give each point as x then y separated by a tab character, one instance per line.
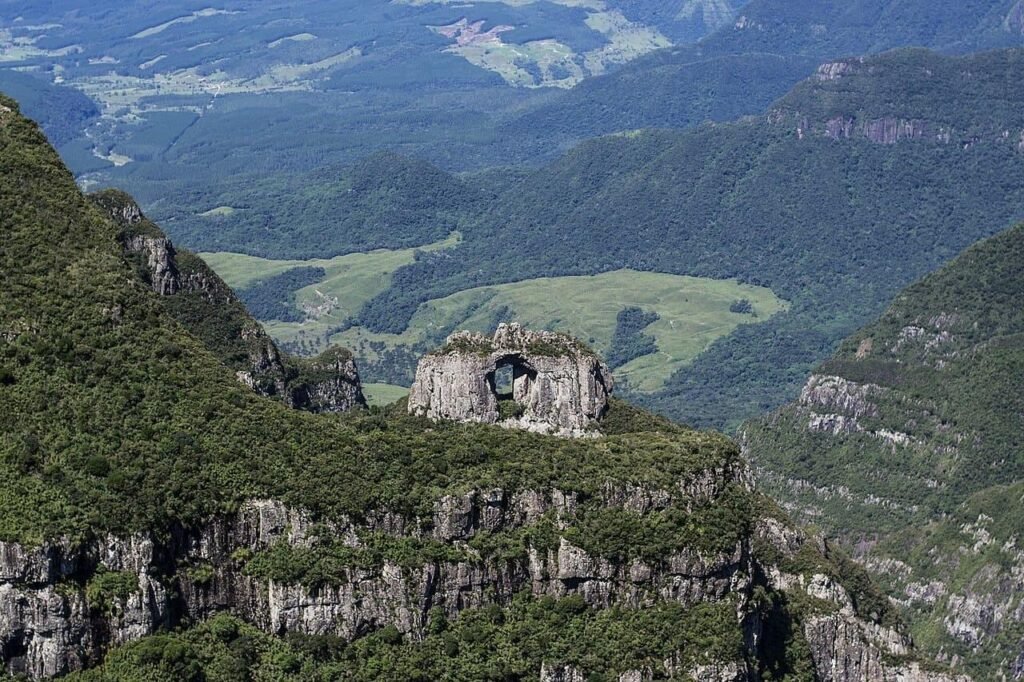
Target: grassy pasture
693	311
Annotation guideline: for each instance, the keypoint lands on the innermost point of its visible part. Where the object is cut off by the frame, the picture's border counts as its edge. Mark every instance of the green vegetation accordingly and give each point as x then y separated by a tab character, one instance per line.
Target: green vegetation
481	644
382	202
62	112
629	341
381	395
96	367
274	298
933	479
107	590
693	312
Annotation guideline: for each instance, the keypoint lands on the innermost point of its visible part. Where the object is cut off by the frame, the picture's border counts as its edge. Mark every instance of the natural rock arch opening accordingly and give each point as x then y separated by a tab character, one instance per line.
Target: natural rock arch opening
510	382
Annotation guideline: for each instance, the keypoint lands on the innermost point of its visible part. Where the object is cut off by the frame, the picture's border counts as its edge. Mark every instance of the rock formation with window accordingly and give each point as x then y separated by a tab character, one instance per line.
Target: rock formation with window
556	385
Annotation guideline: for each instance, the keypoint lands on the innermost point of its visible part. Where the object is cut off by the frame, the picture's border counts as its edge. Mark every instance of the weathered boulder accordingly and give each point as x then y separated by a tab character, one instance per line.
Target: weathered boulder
558	386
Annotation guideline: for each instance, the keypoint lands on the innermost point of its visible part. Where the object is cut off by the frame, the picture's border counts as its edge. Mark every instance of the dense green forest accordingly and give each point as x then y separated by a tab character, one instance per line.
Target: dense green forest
62	111
383	201
827	238
274	298
629	341
828	28
482	644
934	456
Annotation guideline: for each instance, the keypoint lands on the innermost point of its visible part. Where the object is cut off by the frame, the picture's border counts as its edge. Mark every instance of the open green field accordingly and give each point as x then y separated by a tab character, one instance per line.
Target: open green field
693	311
351	281
383	394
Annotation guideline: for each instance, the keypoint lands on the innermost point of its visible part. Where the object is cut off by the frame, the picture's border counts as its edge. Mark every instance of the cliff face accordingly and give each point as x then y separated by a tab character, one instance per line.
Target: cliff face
557	386
201	300
887	100
62	606
906	447
327	383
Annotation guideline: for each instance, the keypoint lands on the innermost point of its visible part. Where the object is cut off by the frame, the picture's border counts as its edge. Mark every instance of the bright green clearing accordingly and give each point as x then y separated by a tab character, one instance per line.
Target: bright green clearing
693	311
351	281
383	394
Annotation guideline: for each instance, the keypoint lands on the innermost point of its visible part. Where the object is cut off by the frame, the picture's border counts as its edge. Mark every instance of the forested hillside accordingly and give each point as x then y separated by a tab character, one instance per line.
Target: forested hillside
831	27
907	445
145	491
869	174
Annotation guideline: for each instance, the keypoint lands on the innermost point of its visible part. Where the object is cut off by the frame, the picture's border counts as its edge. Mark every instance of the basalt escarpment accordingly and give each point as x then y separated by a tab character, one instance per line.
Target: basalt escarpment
327	383
63	605
558	386
204	303
877	100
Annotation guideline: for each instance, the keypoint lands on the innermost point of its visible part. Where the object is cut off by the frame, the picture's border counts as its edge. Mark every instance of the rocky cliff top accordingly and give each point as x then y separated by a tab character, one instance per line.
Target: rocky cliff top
558	385
514	338
910	94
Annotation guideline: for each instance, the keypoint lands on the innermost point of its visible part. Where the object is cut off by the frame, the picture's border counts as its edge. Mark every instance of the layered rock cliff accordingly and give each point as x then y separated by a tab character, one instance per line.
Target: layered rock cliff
62	606
886	101
905	446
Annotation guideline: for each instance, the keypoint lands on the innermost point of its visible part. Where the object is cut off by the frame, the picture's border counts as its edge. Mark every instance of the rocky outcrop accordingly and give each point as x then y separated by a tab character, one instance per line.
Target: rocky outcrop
157	254
205	304
848	650
264	371
50	624
328	383
558	386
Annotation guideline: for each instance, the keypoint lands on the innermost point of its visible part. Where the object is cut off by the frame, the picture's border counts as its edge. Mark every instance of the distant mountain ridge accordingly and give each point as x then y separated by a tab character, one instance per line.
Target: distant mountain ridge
782	201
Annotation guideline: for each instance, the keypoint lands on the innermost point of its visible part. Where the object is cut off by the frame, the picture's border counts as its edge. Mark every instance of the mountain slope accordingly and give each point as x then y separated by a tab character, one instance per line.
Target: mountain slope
143	489
829	28
908	445
800	200
204	304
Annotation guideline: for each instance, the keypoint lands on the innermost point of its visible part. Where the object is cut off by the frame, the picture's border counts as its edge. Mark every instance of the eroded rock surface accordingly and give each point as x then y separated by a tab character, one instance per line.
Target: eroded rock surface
207	306
558	385
328	383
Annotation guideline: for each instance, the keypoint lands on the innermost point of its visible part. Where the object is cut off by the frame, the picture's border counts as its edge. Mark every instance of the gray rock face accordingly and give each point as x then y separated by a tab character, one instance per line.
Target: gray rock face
330	385
158	255
48	627
558	386
848	650
264	372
